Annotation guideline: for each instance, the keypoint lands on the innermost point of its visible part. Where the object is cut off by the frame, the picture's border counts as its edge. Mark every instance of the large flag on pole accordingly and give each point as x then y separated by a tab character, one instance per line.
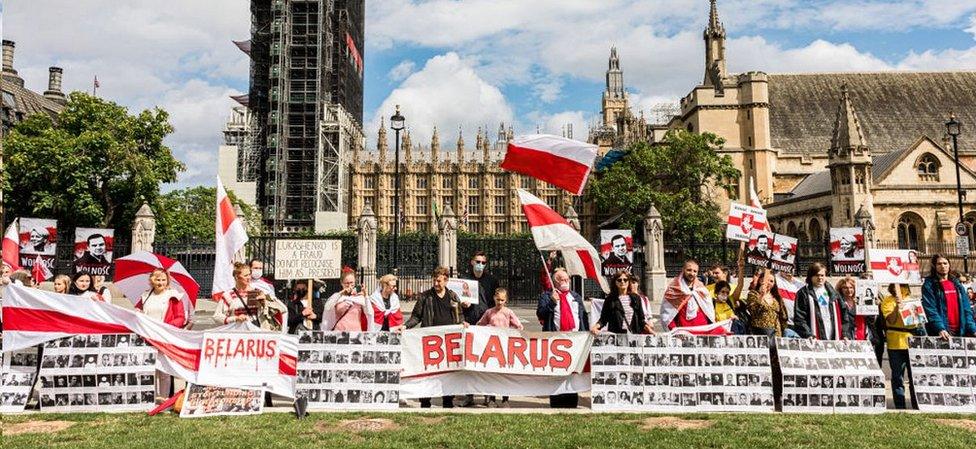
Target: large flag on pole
552	232
11	247
40	272
562	162
230	237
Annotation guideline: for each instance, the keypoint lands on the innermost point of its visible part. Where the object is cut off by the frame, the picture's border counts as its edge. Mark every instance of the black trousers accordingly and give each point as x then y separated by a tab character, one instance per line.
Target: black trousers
446	402
568	400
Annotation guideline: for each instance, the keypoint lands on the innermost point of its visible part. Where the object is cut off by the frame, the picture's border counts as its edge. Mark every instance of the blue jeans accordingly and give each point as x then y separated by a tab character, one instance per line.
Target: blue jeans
898	358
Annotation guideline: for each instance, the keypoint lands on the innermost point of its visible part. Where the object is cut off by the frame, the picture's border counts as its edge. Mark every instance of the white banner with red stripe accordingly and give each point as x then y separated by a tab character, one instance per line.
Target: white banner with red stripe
32	317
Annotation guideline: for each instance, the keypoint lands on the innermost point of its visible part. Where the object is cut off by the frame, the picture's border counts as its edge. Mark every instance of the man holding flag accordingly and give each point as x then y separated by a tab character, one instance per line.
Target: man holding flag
688	306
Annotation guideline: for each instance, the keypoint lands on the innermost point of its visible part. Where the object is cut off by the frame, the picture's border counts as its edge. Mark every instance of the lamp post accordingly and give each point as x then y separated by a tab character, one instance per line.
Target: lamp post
396	124
953	129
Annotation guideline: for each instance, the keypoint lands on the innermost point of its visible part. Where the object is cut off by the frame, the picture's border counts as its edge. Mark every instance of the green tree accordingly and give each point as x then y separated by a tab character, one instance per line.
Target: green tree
190	214
680	177
93	165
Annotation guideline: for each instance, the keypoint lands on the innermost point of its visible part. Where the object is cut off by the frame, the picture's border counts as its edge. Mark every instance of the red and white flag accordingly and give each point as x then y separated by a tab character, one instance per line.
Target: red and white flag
11	247
787	290
230	237
40	272
562	162
552	232
33	316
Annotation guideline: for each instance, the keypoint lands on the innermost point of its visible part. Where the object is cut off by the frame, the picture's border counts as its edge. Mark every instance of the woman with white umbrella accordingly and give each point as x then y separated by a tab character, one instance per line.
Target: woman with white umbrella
163	303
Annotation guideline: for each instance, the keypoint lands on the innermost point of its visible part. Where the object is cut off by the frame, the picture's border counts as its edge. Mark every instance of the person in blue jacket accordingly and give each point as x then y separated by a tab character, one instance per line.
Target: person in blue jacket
946	304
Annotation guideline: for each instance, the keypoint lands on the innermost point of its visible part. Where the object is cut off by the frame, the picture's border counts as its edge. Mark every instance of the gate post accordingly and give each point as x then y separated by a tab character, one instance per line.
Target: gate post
143	229
864	220
366	241
655	276
447	239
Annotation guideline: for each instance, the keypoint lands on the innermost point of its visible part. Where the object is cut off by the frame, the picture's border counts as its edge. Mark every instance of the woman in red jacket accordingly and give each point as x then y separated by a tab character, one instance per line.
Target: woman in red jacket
163	303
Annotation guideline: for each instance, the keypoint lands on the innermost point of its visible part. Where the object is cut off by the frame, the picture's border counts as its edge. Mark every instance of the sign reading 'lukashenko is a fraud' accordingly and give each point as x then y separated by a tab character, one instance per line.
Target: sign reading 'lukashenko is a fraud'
307	259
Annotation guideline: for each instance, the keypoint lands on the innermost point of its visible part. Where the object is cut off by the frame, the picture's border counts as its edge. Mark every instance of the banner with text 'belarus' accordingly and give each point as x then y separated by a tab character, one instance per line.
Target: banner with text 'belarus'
446	360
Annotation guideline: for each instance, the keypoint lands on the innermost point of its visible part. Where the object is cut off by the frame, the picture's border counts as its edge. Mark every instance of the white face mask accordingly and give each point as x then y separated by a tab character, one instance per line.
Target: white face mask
256	273
723	297
563	286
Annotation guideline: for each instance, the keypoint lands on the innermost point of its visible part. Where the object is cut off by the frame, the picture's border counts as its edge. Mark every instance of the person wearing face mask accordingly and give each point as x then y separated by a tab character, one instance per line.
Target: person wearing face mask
819	311
487	284
304	311
258	281
562	310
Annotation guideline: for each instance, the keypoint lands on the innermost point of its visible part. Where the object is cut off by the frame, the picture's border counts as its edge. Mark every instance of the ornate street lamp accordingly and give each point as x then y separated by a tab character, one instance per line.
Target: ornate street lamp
396	124
953	129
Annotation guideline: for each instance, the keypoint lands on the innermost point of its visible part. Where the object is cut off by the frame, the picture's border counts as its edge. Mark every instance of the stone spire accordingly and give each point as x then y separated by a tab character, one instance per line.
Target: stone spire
847	135
381	141
479	141
486	146
460	147
615	76
510	135
405	145
714	35
435	146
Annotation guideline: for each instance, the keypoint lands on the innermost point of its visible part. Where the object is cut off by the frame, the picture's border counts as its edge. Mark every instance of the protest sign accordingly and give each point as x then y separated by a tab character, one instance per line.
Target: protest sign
868	293
114	372
943	372
847	250
465	289
93	251
743	220
895	266
911	312
830	376
616	251
201	401
18	371
349	370
681	373
307	259
244	358
774	251
38	237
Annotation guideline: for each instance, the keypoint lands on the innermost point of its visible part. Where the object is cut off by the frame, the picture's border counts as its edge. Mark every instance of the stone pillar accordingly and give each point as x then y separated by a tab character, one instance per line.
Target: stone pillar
447	240
655	277
863	219
144	229
366	240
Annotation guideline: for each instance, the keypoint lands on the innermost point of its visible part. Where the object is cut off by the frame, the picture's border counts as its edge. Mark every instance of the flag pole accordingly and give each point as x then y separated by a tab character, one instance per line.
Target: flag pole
545	266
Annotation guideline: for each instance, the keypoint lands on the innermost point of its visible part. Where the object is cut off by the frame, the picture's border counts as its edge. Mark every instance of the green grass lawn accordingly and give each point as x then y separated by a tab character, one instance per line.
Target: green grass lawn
430	431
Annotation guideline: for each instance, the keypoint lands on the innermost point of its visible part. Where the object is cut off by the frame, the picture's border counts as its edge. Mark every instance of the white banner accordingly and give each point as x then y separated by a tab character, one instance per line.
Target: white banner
349	370
830	376
201	401
307	259
742	220
895	266
231	359
942	373
18	371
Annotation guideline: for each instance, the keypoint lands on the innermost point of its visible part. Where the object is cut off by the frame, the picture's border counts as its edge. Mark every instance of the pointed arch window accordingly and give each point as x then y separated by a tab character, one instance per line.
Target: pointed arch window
928	168
910	231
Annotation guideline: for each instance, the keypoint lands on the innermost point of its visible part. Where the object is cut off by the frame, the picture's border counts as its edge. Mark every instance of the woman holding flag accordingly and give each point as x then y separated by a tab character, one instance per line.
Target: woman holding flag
386	304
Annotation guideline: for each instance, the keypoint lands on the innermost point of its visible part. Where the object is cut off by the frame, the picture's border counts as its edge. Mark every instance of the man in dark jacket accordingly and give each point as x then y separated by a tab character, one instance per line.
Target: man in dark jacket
436	307
819	311
300	312
562	310
487	284
946	303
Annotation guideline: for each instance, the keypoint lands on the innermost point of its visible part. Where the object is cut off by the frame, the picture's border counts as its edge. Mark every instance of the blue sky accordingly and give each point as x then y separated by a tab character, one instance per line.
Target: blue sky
476	62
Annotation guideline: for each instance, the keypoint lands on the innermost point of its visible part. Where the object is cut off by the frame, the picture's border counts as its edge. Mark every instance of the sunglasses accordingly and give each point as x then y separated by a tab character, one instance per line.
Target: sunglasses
623	280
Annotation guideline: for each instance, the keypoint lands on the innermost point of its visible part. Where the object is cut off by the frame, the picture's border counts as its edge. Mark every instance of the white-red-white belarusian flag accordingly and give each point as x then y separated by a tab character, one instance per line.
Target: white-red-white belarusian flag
40	272
562	162
230	237
11	247
552	232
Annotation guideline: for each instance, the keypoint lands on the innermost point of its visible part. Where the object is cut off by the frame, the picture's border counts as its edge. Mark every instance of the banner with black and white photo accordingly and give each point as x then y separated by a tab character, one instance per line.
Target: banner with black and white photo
38	240
349	370
200	401
88	373
830	376
18	371
93	251
616	251
681	373
774	251
943	373
868	294
847	250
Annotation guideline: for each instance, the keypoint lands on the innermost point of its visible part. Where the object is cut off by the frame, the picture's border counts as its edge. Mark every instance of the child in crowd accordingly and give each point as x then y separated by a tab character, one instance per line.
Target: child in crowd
500	316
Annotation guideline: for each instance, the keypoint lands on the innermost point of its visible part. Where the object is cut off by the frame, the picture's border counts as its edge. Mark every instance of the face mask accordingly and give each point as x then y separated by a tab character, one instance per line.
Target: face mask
256	273
723	298
479	267
301	293
563	286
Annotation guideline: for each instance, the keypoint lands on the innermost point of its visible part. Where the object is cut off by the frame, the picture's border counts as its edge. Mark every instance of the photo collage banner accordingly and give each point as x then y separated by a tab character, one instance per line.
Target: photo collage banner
202	401
17	376
830	376
681	373
349	370
943	372
89	373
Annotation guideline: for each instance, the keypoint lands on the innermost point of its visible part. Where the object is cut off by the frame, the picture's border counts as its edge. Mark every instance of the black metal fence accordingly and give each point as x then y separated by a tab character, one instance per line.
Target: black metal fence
197	256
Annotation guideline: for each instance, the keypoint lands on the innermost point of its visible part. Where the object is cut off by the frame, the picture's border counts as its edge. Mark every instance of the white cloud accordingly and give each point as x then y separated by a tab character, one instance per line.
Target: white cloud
447	93
402	70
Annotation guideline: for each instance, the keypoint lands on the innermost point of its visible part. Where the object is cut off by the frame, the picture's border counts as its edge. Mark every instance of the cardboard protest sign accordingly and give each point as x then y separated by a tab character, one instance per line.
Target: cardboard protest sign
307	259
616	251
868	294
774	251
895	266
349	370
465	289
200	401
847	250
38	237
911	312
18	371
93	251
943	372
830	376
743	220
110	372
681	373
